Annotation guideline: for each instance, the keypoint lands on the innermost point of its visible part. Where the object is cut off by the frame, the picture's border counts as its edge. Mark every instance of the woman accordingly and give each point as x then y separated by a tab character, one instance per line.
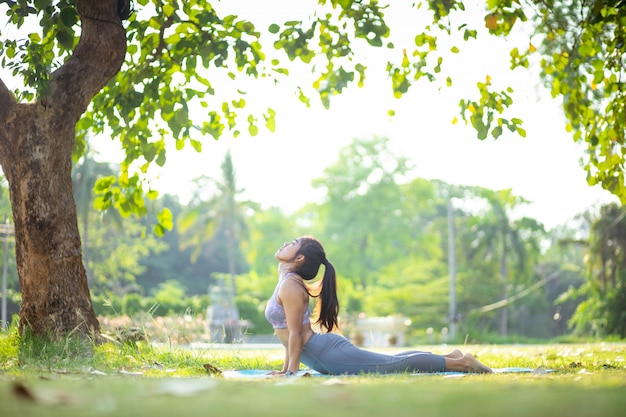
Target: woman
330	353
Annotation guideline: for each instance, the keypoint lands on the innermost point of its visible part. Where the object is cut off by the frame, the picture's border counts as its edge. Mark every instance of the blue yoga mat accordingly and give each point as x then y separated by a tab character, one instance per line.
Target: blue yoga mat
262	373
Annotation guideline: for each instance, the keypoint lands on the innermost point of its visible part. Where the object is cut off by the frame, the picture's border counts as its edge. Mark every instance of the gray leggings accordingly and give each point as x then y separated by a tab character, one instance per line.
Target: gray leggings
330	353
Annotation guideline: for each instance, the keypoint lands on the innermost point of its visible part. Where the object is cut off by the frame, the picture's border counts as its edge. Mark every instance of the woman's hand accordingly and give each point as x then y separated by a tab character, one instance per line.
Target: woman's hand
276	373
281	373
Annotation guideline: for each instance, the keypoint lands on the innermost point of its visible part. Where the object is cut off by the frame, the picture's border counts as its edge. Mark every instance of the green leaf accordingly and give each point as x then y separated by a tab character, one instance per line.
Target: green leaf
41	4
159	230
168	10
68	16
197	145
65	39
166	219
104	183
270	121
160	160
274	28
252	128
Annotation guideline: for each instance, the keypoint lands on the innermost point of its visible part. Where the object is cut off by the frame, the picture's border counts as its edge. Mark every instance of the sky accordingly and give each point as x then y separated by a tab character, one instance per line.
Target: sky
276	169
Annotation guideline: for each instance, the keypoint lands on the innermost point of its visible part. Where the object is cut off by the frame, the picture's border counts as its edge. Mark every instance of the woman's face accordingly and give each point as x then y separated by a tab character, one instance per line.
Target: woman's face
288	251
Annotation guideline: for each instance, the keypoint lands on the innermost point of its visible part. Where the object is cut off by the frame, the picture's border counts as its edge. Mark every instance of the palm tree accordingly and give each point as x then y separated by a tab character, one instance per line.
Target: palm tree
204	225
497	235
221	216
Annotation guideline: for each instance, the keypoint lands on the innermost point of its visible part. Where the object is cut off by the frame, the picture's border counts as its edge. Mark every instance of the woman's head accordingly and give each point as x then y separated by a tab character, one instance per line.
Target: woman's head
314	256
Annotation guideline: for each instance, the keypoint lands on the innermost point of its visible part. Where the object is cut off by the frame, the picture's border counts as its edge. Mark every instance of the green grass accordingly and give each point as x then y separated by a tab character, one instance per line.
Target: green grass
138	380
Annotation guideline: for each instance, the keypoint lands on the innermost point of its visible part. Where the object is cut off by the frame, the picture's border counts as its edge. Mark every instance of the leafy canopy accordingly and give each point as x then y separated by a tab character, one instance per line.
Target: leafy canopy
185	55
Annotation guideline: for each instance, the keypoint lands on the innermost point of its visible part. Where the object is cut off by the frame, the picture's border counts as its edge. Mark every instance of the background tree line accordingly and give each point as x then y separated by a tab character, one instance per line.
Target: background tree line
136	75
387	234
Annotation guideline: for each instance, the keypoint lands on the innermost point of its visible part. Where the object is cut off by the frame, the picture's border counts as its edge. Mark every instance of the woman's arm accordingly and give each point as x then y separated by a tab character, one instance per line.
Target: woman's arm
294	299
286	363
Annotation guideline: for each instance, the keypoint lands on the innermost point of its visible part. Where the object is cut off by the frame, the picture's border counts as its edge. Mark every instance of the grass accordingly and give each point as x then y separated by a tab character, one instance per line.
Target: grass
136	379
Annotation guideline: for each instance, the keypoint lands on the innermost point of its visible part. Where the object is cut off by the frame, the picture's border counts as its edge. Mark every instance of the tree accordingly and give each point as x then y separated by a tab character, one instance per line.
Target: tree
206	224
363	208
495	235
118	256
78	48
70	65
582	50
36	143
603	311
414	279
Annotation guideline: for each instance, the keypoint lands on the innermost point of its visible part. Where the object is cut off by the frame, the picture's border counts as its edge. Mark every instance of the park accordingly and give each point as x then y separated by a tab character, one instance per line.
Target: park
118	298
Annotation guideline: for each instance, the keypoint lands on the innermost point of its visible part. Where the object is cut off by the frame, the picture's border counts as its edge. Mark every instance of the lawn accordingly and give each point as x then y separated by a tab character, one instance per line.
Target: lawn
569	380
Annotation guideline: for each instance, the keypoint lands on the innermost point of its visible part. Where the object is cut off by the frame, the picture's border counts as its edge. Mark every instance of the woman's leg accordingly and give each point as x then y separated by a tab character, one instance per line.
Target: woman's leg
456	354
334	354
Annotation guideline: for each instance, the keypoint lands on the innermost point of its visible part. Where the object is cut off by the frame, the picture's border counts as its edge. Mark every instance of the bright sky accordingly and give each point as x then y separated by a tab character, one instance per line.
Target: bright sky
276	169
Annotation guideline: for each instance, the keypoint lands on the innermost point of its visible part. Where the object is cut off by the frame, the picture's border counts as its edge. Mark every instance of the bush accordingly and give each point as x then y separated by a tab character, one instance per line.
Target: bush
133	304
252	310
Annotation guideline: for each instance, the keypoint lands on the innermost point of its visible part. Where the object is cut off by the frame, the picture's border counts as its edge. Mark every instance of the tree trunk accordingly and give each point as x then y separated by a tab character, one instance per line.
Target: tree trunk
504	276
36	142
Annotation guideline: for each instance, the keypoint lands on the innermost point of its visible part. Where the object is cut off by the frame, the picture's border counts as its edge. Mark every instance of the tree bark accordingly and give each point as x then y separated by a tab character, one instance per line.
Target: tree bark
36	142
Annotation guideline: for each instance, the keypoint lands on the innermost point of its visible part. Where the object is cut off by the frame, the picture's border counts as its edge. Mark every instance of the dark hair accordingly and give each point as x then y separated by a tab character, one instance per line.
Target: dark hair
314	256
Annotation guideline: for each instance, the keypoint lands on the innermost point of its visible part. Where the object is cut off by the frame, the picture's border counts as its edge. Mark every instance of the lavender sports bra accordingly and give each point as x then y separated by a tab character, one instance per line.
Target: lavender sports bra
275	313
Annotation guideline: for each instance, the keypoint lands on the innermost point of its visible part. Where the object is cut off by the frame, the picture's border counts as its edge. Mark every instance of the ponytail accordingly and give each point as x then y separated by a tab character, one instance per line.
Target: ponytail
329	305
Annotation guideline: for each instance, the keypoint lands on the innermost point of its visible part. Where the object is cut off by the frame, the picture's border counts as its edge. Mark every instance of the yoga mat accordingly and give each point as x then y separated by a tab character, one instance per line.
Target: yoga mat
262	373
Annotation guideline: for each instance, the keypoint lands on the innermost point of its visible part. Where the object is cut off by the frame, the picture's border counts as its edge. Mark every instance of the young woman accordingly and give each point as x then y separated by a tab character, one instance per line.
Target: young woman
330	353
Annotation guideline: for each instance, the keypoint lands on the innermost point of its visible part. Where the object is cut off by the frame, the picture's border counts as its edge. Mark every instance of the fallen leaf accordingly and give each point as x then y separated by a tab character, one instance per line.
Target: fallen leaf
91	371
213	370
22	391
96	372
42	396
132	373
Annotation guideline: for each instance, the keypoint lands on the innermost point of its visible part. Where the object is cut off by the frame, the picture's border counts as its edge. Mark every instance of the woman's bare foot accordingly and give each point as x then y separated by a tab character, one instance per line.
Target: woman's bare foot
473	365
455	354
466	363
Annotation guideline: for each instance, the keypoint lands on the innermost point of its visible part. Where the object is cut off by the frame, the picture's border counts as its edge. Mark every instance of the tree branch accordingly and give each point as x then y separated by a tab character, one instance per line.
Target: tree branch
96	59
7	103
7	99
